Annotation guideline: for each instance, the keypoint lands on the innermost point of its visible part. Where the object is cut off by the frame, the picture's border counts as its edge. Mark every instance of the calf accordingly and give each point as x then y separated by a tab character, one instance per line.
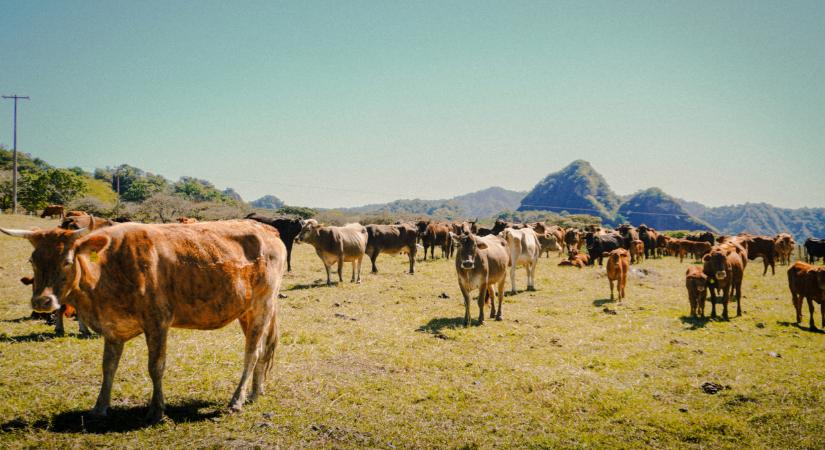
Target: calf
815	249
784	245
696	283
576	260
572	240
637	251
724	267
481	263
432	235
288	229
336	245
391	239
548	243
66	311
618	262
524	247
807	281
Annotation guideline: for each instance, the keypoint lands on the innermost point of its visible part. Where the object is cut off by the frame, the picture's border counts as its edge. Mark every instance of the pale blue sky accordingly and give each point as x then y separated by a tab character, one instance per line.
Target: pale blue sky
719	102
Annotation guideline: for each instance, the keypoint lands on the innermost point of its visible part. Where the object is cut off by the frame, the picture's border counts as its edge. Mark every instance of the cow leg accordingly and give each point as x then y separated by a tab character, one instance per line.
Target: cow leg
341	268
466	296
765	263
611	287
513	279
491	297
500	298
713	302
411	256
623	283
373	257
725	298
289	256
354	270
693	306
811	310
482	297
84	330
59	330
326	266
156	343
797	304
253	326
738	288
112	349
264	364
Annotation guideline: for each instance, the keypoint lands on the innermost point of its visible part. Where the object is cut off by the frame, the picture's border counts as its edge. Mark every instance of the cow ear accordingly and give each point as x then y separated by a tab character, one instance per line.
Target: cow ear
94	244
27	281
706	257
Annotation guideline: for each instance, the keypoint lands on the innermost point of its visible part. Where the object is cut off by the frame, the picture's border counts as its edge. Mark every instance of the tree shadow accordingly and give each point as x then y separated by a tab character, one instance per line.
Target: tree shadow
602	301
119	420
434	326
697	322
799	326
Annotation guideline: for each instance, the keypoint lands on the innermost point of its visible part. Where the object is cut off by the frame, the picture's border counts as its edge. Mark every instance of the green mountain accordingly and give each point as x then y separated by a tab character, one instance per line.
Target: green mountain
658	210
577	189
488	202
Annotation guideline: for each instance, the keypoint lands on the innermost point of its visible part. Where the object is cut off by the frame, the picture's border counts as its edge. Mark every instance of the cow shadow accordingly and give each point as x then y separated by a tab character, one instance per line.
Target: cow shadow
698	322
119	420
800	327
31	337
602	301
302	286
435	326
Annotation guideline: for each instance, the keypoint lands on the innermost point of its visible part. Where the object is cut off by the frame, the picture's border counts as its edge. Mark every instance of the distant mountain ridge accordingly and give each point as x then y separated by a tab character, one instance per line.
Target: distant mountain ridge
577	188
656	209
484	203
762	218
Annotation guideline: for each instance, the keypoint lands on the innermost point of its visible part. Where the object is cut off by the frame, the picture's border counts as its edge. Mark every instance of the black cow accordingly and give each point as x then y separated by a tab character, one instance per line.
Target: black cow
287	227
648	236
599	244
498	227
705	236
815	248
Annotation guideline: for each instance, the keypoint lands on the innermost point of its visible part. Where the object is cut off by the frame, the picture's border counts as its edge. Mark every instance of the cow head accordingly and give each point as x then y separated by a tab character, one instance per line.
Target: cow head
54	261
421	226
309	228
717	260
468	247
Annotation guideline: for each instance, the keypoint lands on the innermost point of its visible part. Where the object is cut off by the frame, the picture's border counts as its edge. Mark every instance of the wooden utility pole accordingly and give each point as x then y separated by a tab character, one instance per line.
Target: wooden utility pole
14	152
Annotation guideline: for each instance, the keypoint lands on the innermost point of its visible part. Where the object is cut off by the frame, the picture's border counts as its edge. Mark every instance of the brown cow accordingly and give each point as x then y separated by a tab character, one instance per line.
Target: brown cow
75	213
696	283
577	259
573	239
725	266
136	278
336	245
432	235
51	211
85	221
556	232
784	246
481	263
807	281
618	262
759	246
187	220
637	251
391	239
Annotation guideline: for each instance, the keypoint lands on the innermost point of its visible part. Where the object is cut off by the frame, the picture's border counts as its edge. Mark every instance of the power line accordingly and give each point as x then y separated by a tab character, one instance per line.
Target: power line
14	152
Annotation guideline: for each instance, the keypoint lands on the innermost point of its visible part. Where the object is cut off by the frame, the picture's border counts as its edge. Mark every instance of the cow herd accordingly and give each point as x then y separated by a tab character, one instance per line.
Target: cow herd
127	279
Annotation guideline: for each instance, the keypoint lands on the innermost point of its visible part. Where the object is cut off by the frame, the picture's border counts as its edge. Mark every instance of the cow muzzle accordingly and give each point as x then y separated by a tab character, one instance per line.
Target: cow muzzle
467	265
720	275
45	303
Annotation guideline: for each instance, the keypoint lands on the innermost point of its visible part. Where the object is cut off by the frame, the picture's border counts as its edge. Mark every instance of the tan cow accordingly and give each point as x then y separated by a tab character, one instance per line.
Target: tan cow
725	267
481	263
51	211
137	279
187	220
696	283
784	246
524	247
336	245
637	251
618	262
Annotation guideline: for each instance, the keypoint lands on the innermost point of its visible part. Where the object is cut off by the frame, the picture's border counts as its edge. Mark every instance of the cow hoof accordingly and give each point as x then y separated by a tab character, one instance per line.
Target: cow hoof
498	318
154	416
59	333
531	288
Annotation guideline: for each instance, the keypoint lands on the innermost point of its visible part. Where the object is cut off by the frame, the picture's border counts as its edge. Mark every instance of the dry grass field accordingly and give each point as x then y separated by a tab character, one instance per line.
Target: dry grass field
386	364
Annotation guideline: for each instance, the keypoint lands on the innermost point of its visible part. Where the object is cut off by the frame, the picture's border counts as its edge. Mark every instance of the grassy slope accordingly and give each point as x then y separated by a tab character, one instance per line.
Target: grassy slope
558	371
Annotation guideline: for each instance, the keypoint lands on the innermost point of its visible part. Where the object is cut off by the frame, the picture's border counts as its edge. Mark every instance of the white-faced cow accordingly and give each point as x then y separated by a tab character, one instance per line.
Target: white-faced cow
481	263
336	245
524	247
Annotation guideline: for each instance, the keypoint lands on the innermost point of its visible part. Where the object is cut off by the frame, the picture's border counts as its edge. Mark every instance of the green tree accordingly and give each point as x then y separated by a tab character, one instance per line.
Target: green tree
143	188
58	186
300	211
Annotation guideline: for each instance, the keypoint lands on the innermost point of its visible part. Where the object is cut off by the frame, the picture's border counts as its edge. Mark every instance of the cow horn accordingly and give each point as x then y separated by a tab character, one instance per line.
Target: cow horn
91	222
18	233
80	232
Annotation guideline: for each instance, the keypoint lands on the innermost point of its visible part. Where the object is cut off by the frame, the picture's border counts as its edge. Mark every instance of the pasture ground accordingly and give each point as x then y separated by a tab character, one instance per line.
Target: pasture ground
386	364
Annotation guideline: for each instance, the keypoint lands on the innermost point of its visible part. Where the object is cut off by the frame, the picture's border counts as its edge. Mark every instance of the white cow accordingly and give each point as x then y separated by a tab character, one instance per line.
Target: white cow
524	248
